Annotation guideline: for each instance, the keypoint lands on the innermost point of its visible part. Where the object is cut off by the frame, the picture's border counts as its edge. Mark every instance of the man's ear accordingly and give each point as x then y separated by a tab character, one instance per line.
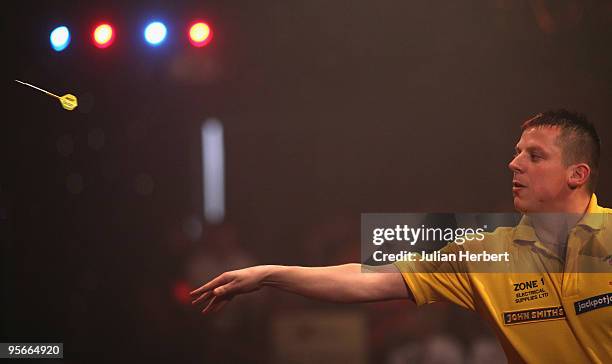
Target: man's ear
578	175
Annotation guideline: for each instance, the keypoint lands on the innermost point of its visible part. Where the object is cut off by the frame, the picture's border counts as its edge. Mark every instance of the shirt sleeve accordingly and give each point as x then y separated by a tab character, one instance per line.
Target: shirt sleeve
439	281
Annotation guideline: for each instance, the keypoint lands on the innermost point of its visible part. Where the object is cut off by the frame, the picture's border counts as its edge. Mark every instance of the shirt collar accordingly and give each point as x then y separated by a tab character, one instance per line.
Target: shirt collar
594	216
593	219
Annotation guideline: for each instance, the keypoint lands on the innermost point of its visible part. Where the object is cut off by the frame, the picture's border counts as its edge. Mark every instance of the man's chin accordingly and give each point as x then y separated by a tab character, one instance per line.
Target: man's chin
520	205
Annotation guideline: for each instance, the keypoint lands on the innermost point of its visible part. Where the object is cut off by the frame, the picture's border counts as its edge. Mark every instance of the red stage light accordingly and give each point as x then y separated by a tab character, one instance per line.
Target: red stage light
181	292
103	35
200	34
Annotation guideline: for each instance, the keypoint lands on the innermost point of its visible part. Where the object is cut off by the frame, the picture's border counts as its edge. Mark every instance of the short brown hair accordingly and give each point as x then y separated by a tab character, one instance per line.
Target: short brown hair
578	139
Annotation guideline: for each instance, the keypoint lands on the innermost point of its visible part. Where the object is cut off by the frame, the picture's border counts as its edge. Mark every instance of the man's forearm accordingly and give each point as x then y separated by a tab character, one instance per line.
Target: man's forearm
345	283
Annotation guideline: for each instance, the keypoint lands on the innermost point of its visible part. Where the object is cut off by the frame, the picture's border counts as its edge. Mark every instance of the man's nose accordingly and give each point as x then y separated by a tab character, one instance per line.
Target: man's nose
514	165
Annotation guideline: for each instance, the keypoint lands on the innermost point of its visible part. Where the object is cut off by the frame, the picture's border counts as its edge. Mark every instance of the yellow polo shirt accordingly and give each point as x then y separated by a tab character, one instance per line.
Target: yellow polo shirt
544	309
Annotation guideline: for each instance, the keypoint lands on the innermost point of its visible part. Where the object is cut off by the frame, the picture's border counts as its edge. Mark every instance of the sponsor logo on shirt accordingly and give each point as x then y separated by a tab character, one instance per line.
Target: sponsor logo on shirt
529	290
593	303
536	314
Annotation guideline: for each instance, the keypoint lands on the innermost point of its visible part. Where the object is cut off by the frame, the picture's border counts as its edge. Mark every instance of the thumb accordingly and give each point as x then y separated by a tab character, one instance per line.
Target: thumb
223	290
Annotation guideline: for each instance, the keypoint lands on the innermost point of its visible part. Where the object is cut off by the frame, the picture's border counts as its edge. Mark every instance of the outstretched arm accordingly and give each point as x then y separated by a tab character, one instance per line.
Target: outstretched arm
345	283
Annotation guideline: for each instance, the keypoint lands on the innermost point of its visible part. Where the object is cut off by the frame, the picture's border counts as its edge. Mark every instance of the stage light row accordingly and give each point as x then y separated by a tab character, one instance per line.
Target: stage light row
103	36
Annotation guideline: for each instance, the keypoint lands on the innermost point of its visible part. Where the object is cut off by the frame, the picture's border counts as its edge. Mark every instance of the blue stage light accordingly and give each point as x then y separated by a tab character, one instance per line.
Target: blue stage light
155	33
60	38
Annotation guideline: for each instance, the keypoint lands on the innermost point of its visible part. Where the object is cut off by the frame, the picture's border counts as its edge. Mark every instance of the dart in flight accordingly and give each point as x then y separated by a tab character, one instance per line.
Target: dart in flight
68	101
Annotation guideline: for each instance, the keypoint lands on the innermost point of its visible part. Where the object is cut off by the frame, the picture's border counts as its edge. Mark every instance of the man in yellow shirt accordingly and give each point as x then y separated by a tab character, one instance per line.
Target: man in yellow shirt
544	307
551	302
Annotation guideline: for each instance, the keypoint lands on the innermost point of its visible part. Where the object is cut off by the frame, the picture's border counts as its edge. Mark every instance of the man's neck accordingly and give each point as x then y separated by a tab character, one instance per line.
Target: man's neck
576	204
553	228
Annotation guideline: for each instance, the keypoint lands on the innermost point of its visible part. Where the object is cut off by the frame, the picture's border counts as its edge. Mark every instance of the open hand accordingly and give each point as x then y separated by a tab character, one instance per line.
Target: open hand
215	294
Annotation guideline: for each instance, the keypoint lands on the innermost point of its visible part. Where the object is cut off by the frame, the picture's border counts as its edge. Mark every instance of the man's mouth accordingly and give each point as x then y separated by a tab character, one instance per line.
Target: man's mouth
516	185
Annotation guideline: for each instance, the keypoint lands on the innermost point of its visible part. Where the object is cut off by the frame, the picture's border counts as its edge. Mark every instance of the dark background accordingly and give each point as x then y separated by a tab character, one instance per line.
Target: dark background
330	110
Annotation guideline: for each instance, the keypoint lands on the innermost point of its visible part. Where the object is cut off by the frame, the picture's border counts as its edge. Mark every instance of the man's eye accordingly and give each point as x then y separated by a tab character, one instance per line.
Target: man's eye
535	157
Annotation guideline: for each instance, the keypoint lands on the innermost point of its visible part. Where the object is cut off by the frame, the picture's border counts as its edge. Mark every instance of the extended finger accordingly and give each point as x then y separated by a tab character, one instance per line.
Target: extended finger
203	297
220	305
210	305
222	279
217	305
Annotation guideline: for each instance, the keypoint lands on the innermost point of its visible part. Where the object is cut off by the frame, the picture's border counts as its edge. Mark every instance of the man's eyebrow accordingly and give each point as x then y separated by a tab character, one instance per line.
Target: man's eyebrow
531	148
535	149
